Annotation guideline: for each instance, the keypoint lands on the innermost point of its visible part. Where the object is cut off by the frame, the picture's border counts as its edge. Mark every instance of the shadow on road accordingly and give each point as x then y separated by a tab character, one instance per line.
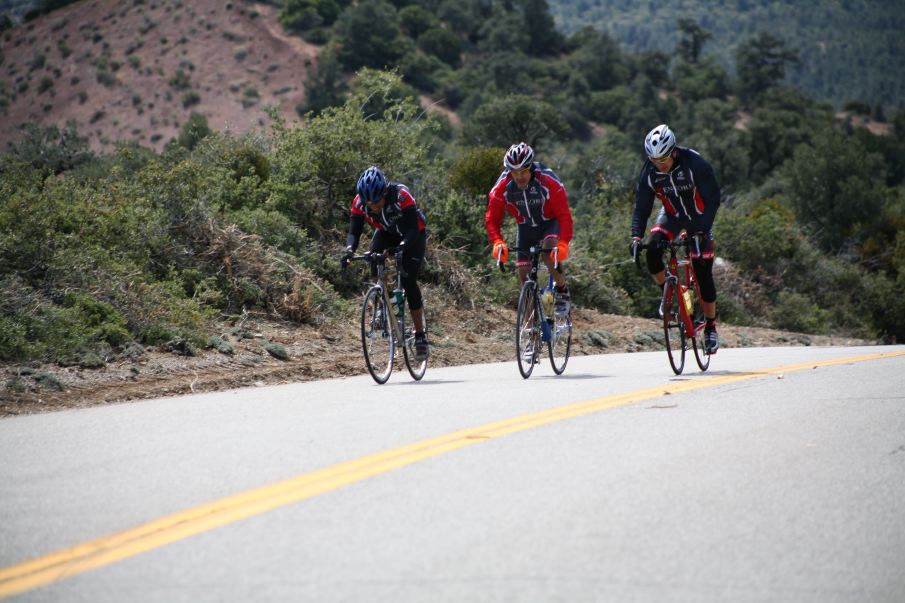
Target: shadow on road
571	376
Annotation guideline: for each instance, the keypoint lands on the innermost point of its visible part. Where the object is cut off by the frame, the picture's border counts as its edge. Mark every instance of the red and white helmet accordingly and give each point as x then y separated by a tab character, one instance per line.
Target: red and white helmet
659	142
518	156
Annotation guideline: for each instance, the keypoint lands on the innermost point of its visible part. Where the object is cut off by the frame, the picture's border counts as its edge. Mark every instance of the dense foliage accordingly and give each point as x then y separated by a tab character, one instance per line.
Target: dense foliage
101	254
849	50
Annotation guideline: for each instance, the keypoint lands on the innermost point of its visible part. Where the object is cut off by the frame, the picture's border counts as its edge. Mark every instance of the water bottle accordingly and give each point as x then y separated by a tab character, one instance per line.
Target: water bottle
686	299
547	301
397	302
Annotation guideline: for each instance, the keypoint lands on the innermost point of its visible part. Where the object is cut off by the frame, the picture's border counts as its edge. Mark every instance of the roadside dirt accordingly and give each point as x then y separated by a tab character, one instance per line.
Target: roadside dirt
327	351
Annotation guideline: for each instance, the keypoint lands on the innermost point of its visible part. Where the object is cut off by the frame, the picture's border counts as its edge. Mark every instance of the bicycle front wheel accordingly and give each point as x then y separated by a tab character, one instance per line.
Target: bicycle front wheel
416	368
560	341
378	341
673	328
527	329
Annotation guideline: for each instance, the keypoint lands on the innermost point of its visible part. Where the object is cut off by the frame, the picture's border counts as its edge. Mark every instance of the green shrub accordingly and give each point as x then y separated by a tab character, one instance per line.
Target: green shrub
190	98
796	312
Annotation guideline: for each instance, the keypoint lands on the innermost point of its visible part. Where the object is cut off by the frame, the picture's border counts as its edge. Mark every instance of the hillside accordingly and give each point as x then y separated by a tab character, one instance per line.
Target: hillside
115	267
849	50
135	71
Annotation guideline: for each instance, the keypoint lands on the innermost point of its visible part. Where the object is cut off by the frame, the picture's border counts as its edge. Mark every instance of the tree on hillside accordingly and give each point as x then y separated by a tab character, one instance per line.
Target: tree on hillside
783	119
443	44
369	36
503	121
324	87
51	149
700	80
761	64
543	37
693	39
303	15
597	59
836	189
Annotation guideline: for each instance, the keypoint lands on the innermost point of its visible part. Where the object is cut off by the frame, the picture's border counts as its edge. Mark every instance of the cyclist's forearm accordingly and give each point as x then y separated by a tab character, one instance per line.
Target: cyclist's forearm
356	226
644	204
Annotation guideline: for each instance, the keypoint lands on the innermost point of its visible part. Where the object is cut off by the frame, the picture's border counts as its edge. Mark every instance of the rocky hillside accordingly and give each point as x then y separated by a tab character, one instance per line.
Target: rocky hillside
136	70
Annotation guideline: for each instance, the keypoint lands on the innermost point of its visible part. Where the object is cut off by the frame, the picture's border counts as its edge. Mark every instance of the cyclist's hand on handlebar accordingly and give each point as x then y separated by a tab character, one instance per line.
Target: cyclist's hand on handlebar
634	247
500	251
699	238
345	258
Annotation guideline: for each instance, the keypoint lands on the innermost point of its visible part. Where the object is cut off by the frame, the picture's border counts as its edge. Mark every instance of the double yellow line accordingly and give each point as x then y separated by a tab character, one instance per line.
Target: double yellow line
109	549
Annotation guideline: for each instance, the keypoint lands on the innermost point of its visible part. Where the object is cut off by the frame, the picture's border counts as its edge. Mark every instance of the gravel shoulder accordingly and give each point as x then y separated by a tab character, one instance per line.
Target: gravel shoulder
327	351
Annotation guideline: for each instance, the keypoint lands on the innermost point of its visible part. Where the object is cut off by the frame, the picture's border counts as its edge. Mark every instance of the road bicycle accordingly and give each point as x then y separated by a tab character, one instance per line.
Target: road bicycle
537	323
681	305
383	322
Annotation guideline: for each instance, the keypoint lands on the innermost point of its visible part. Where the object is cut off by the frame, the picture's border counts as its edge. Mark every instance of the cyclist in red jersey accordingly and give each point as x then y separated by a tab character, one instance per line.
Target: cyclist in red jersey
391	209
685	184
536	198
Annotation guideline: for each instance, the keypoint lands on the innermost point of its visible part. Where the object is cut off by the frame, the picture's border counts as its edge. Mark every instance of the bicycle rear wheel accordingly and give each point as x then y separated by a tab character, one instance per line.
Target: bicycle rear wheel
416	369
673	328
560	345
527	329
378	341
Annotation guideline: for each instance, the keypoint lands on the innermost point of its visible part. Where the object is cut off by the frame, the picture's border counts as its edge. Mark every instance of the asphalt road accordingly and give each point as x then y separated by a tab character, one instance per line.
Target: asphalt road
778	475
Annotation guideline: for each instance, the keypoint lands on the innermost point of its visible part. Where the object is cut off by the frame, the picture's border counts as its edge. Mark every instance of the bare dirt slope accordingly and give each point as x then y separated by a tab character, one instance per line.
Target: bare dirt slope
134	71
458	336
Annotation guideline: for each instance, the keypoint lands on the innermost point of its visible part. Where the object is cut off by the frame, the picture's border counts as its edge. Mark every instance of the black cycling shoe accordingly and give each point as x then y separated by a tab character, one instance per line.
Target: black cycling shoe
711	340
421	347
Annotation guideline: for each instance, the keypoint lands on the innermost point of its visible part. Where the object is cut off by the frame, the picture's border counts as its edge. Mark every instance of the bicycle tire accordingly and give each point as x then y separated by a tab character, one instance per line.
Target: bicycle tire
527	329
697	342
673	328
560	346
416	369
378	339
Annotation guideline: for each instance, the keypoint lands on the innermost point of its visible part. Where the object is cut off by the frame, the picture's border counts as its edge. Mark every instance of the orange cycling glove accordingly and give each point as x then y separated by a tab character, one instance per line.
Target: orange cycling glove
500	251
562	251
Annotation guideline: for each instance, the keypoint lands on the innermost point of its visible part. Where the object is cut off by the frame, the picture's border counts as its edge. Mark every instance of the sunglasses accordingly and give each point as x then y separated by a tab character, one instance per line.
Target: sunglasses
524	170
661	160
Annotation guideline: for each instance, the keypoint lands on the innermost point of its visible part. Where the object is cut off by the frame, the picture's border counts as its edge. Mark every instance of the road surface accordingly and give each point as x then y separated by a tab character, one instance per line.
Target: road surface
777	475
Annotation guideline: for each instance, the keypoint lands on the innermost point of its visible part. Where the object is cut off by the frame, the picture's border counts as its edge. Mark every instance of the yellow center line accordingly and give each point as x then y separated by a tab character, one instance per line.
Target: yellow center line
109	549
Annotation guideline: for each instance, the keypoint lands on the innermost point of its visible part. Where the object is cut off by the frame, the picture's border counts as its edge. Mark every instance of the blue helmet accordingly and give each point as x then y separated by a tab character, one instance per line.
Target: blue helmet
372	185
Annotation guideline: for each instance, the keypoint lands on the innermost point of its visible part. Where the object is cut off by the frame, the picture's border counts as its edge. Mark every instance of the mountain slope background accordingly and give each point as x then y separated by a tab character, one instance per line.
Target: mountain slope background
222	244
134	71
849	50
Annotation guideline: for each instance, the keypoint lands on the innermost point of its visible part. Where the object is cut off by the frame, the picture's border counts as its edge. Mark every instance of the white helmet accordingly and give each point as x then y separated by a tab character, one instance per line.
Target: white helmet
659	142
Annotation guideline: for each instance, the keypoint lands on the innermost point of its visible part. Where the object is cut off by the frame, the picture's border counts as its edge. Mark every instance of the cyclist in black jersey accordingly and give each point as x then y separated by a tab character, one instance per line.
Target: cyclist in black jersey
685	184
391	210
